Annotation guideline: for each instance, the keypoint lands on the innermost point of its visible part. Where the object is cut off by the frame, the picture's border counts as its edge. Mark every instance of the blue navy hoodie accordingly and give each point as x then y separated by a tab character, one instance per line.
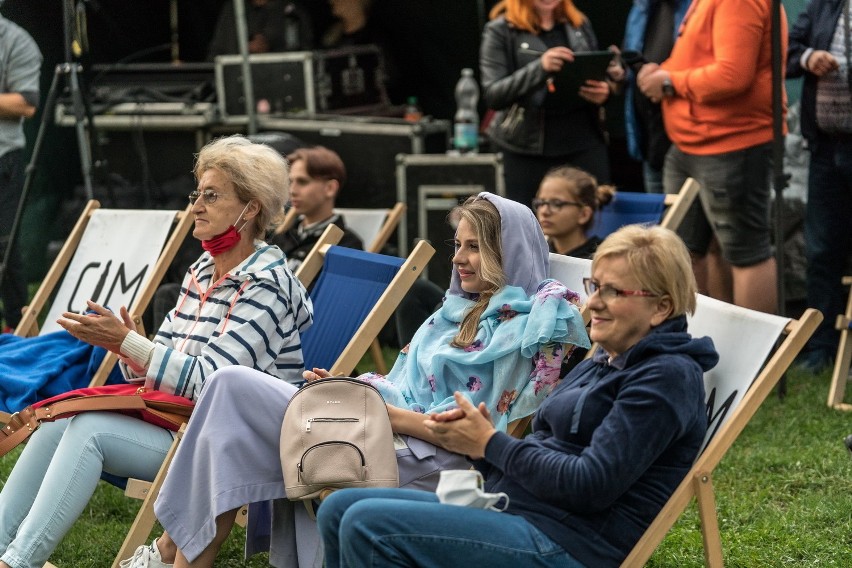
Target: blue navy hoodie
609	445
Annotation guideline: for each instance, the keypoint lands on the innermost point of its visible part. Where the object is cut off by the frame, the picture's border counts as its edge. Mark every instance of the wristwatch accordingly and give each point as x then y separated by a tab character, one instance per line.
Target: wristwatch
668	88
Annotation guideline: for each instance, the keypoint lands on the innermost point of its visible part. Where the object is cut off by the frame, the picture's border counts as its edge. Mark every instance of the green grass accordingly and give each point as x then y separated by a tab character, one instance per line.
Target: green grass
784	496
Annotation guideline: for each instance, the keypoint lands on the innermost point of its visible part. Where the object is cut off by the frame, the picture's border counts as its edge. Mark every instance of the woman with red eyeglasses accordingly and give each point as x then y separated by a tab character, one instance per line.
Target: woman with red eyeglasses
609	445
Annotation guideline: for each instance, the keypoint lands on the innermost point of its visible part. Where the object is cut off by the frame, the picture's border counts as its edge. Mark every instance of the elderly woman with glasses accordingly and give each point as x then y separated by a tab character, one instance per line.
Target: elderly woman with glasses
609	445
239	305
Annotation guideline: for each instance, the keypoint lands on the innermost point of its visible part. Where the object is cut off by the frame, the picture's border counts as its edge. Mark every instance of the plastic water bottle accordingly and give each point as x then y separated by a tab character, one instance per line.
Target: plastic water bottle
412	110
466	119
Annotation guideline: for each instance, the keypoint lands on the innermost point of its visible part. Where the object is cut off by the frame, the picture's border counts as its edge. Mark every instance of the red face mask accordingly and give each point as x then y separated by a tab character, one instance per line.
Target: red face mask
227	240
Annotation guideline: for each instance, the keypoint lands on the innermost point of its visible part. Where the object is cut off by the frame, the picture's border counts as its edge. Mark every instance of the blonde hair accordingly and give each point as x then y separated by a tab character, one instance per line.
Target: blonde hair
657	259
585	189
484	219
257	171
520	14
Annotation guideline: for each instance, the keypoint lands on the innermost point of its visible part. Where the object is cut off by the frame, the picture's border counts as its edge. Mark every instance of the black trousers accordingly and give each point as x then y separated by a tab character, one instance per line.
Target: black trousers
13	292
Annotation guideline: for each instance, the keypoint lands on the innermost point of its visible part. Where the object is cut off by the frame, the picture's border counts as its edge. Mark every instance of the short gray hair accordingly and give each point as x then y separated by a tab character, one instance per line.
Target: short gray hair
257	171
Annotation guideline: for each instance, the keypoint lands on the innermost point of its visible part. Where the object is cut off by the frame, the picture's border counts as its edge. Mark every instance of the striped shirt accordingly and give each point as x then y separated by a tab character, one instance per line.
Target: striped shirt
252	316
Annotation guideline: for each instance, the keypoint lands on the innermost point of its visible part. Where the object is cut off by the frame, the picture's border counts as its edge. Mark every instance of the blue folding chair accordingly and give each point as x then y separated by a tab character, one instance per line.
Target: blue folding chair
627	208
353	298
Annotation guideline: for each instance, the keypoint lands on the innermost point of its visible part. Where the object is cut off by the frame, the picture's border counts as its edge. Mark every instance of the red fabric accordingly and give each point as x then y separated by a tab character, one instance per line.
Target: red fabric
157	400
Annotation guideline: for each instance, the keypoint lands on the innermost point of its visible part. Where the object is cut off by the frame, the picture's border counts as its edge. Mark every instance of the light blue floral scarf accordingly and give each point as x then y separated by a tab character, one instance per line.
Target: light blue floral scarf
512	365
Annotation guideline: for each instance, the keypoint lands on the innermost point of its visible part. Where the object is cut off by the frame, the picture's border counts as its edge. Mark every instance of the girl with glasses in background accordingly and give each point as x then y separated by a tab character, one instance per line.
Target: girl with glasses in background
565	205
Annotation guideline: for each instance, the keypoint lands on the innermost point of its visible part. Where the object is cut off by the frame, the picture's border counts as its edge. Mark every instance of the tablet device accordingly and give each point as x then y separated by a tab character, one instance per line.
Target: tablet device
586	65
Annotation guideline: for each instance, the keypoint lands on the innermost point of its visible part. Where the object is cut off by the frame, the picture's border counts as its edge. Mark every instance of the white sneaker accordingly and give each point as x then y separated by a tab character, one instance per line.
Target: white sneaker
146	556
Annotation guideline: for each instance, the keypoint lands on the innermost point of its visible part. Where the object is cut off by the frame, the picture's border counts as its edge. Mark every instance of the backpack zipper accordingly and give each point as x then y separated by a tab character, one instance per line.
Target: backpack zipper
308	422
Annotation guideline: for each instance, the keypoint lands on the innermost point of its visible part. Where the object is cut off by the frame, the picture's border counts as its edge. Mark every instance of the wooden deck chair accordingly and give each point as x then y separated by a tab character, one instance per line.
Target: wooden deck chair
843	360
375	227
113	256
344	326
571	270
627	208
749	367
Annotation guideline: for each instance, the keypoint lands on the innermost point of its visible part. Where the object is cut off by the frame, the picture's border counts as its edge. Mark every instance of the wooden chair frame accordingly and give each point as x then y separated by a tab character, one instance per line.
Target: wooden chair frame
698	482
391	221
840	376
346	361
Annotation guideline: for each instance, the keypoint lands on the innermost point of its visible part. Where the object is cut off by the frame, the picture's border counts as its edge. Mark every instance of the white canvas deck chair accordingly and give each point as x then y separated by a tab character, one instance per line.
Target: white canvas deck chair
571	270
749	367
112	256
840	376
327	328
373	226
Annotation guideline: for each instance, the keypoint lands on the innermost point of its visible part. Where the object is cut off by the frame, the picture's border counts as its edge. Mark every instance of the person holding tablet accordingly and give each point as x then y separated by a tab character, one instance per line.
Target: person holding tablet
525	57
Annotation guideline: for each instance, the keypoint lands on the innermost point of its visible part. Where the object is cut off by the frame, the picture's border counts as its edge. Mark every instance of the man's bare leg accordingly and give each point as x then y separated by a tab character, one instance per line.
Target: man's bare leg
719	275
755	286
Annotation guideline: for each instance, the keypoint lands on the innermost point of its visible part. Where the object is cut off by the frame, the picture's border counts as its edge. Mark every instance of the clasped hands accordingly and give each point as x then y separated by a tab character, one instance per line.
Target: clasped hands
650	81
463	430
100	327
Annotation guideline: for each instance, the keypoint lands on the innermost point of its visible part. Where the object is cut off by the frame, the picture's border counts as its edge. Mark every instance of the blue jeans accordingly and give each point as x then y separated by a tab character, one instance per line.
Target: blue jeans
828	239
58	471
403	527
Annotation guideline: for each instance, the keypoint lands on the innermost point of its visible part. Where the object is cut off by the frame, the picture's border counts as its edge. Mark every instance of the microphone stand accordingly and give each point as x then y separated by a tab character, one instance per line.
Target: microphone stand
779	178
69	71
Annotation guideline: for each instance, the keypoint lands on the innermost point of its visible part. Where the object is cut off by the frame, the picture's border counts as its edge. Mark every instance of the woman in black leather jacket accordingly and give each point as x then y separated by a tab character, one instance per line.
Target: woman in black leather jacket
523	46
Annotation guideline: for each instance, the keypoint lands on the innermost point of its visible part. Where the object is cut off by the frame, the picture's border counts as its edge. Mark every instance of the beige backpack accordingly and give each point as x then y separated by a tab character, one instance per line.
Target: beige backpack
336	434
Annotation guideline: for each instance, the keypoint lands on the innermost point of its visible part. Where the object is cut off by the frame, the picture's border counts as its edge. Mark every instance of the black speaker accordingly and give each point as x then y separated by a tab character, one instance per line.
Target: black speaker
432	185
368	148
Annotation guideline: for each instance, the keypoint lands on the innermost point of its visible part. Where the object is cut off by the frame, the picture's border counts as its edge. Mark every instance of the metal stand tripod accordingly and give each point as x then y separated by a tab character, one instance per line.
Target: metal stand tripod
83	121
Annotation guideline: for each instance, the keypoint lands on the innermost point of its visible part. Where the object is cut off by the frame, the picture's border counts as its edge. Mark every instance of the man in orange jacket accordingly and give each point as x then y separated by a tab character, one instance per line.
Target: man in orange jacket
716	94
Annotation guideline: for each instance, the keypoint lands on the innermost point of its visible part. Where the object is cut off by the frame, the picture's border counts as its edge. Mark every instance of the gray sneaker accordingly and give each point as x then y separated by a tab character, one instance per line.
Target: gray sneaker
848	442
146	556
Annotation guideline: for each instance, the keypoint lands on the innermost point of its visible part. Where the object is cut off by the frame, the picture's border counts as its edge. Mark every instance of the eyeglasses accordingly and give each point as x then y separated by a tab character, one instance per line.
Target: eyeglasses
608	292
209	196
553	204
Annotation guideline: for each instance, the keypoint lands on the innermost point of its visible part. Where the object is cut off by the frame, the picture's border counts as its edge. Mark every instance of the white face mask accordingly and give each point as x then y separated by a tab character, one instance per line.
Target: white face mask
464	487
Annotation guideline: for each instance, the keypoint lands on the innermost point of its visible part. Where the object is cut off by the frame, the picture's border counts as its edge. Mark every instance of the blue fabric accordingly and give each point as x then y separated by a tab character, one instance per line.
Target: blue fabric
349	285
35	368
628	208
526	315
512	329
634	40
386	527
609	445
